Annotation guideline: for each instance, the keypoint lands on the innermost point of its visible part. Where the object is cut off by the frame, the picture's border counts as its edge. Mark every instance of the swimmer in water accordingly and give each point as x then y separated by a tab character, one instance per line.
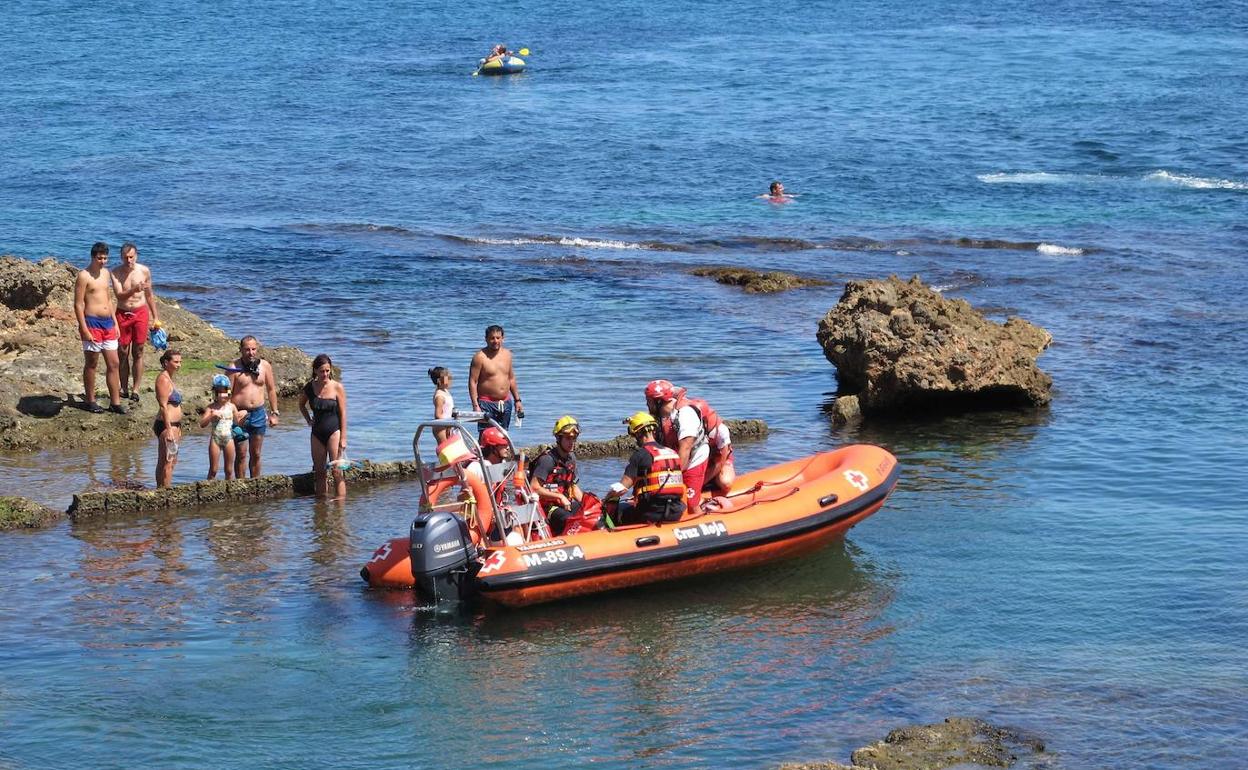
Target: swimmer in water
776	194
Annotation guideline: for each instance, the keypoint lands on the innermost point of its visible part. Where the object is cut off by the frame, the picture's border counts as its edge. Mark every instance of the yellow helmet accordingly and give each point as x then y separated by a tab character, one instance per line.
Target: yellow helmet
567	424
639	422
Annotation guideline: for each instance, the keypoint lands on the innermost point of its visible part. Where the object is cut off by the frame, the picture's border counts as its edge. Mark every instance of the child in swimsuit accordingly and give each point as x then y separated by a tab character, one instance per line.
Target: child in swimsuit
443	401
221	414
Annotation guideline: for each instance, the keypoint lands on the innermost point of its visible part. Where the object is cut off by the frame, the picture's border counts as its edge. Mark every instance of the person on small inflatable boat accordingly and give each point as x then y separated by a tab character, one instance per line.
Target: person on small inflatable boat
494	451
497	52
553	476
692	428
653	473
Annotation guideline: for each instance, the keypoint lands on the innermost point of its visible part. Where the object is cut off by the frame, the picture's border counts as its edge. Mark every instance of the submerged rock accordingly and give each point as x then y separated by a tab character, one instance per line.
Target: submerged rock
755	281
41	363
20	513
956	742
902	346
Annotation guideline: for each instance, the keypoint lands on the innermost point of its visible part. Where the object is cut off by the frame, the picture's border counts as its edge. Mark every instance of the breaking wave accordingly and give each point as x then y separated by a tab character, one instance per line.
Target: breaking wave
1160	176
1035	177
706	245
563	240
1196	182
1053	250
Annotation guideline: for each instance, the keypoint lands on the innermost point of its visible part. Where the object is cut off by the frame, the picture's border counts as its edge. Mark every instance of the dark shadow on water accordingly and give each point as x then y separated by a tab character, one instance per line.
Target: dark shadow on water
967	429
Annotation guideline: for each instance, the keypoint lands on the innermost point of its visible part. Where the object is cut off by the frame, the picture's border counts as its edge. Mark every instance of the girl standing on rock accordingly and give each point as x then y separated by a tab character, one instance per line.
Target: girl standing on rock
168	425
328	420
221	414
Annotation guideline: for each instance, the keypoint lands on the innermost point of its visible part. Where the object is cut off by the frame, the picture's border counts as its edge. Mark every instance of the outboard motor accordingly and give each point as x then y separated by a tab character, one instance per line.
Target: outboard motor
444	558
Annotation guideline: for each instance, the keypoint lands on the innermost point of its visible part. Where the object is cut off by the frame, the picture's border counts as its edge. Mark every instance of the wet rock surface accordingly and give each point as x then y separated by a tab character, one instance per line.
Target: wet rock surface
902	347
41	363
756	281
956	742
20	513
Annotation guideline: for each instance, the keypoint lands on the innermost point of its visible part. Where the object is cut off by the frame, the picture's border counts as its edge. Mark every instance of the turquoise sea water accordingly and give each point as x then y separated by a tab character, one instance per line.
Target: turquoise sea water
330	176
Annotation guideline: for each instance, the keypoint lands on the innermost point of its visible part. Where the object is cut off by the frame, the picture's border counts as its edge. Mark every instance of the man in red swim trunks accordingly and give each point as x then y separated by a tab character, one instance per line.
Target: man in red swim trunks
136	307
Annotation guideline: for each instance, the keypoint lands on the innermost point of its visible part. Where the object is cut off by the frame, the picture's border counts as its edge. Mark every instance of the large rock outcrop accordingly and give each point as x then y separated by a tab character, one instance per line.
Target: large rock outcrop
900	346
41	362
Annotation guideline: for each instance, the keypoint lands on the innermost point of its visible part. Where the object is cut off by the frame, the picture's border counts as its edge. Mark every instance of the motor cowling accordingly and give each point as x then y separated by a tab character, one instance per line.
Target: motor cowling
443	556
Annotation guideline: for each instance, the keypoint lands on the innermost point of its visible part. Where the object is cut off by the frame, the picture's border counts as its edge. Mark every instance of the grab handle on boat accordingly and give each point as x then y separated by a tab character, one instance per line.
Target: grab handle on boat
828	499
649	540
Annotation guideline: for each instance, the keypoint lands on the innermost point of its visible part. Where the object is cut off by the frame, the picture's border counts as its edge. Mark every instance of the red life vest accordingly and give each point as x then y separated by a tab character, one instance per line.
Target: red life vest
709	419
664	478
561	477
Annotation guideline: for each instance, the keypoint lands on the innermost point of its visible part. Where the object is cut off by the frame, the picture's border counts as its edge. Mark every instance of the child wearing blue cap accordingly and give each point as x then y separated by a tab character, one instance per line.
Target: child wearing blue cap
222	414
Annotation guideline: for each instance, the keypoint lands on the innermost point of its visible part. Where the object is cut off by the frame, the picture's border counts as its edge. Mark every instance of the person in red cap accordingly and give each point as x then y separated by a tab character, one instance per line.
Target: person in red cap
692	428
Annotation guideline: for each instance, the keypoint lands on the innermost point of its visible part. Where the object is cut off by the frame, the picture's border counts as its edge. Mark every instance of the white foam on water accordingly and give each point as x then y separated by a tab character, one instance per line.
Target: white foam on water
1053	250
1196	182
580	243
1034	177
591	243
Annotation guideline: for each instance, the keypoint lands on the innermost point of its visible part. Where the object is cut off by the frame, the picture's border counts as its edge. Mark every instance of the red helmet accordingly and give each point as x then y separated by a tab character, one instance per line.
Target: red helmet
660	390
493	437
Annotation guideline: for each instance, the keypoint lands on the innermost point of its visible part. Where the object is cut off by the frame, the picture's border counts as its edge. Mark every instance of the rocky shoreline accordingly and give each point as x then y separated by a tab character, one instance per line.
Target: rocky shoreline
41	363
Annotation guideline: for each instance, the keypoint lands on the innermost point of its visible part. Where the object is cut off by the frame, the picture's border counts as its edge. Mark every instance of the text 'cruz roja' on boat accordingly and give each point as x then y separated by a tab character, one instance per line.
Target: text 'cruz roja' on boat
489	540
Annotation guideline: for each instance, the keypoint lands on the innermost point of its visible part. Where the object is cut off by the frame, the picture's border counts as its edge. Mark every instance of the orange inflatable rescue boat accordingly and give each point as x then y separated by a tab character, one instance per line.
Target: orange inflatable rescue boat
491	542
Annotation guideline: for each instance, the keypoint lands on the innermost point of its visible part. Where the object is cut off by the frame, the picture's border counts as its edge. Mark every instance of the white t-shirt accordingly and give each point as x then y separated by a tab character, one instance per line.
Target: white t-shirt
446	408
689	425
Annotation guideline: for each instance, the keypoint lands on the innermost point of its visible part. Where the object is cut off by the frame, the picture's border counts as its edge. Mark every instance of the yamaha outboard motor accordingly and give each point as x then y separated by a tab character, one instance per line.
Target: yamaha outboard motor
444	558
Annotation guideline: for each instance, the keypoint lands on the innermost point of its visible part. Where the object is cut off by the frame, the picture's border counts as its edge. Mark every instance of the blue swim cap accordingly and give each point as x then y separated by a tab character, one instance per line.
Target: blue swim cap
220	381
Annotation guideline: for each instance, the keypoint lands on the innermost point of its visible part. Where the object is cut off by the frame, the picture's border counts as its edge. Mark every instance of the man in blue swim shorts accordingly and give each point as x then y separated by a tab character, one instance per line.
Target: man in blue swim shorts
251	384
492	381
97	326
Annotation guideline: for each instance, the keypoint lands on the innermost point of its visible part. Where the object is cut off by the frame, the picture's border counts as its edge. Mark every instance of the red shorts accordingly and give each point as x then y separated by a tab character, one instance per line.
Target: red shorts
694	477
132	325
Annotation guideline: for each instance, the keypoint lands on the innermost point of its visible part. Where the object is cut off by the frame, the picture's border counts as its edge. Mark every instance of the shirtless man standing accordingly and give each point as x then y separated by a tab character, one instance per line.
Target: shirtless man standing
97	327
250	385
492	381
136	307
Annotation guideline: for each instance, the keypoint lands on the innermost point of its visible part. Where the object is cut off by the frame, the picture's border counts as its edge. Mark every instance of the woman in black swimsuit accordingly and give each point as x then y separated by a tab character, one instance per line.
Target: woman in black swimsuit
328	419
168	425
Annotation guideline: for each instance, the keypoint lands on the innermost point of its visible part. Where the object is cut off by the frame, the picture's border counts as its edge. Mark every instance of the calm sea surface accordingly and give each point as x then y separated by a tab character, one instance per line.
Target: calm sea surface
329	175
